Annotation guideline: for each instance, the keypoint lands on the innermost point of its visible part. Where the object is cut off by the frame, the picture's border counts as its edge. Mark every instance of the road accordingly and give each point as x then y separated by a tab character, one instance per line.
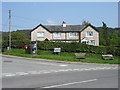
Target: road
25	73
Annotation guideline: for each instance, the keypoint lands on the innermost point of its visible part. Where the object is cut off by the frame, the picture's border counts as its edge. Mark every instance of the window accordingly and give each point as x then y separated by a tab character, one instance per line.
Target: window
73	34
91	42
86	42
57	34
90	33
40	34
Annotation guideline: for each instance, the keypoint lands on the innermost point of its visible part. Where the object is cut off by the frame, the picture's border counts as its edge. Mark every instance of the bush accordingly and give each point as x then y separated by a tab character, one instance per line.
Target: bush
66	47
16	43
78	47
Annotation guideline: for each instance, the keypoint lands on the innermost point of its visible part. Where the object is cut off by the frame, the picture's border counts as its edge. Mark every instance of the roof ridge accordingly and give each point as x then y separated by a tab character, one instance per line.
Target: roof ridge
61	25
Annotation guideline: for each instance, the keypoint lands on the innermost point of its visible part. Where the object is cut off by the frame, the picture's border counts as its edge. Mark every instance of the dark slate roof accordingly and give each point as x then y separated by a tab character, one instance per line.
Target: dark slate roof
68	28
60	28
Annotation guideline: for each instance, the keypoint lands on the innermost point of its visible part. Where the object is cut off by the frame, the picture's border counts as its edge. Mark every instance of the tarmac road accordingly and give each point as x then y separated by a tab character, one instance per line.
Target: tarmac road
25	73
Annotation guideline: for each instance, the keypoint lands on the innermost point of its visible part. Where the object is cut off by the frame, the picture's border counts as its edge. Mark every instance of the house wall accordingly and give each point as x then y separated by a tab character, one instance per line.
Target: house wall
62	36
68	36
47	35
94	37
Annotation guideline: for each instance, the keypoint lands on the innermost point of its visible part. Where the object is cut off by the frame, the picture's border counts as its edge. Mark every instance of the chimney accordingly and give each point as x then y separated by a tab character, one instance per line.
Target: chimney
64	24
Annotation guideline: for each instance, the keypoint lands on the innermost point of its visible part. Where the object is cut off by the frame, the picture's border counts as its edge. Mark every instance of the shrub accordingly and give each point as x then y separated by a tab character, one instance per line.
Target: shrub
16	43
78	47
66	47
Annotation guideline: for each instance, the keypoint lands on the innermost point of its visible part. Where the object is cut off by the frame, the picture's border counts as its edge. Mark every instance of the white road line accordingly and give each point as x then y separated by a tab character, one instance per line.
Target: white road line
32	72
63	65
93	68
70	83
81	69
76	69
55	71
66	70
115	68
87	69
21	73
9	75
46	72
61	70
3	74
70	69
36	72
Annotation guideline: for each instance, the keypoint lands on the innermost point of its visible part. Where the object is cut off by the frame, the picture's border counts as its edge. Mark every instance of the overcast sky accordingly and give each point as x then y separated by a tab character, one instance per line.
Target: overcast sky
27	15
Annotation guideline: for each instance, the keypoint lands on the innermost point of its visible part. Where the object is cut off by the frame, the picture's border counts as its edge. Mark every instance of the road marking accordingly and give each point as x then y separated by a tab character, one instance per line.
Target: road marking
70	83
9	75
76	69
70	69
34	72
63	65
46	72
55	71
87	69
62	70
21	73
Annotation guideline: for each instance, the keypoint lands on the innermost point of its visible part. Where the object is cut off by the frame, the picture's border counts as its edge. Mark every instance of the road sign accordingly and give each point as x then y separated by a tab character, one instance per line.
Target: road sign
57	49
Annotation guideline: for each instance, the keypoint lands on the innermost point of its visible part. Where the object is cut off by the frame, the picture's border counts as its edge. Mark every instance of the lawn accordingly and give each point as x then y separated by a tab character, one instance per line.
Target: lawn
64	56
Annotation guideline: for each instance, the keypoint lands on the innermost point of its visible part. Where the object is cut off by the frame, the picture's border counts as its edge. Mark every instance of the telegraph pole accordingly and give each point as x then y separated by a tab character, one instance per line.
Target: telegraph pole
9	29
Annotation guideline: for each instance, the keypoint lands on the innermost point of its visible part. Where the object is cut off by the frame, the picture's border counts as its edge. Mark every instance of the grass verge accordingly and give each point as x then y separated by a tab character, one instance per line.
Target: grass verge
64	56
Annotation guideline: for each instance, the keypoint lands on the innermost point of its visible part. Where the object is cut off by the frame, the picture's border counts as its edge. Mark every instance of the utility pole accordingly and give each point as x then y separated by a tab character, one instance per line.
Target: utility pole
9	29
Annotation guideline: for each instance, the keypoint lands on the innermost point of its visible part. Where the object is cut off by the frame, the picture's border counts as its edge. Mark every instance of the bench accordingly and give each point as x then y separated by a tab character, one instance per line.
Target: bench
107	56
80	55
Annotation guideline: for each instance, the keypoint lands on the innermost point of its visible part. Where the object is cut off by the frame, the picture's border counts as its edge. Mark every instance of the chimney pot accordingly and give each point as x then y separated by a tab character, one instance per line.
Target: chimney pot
64	24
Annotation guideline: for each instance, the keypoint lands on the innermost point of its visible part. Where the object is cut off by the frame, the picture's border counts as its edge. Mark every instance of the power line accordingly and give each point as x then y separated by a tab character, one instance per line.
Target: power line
22	18
15	26
27	18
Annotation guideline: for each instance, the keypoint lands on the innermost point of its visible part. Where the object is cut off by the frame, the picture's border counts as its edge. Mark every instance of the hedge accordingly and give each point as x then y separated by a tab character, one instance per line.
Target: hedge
78	47
67	47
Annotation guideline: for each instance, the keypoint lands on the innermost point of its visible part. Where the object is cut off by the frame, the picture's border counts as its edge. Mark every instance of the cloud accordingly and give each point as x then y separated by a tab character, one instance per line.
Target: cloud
50	21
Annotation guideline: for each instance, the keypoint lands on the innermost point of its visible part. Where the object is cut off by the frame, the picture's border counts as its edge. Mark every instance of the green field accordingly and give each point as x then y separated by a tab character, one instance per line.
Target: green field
64	56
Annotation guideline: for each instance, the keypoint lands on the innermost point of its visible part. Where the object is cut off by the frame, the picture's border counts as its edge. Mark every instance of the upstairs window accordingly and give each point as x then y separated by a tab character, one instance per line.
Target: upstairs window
90	34
73	34
57	34
40	34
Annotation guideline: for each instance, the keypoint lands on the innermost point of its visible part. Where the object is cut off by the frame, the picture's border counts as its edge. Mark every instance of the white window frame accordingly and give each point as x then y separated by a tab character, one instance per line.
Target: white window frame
39	36
88	35
72	34
57	34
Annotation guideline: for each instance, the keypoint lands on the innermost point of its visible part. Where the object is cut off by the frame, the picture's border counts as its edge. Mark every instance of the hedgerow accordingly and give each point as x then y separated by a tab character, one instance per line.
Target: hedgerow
78	47
66	47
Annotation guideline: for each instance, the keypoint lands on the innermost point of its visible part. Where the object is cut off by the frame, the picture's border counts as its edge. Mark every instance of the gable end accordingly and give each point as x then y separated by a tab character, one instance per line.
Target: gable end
41	26
90	26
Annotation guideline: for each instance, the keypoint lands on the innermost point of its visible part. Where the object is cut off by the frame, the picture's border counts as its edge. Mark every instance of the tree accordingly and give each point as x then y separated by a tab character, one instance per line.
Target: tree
85	23
19	36
106	34
18	39
16	36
